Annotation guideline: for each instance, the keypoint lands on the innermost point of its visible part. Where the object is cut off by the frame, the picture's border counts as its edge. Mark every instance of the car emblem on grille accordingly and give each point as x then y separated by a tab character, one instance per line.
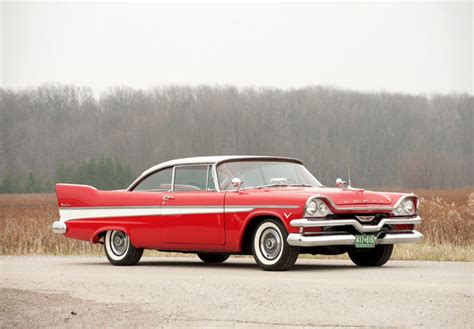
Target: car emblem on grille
365	218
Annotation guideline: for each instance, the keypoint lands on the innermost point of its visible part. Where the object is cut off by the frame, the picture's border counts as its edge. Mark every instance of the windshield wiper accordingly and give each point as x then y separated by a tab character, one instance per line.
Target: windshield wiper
271	185
282	185
303	185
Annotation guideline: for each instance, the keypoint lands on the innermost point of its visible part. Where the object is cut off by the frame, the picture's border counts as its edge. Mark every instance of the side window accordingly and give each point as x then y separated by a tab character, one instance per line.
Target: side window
190	178
159	181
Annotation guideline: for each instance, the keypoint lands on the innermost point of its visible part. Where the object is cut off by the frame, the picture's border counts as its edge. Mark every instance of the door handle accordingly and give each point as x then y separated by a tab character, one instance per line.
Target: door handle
168	197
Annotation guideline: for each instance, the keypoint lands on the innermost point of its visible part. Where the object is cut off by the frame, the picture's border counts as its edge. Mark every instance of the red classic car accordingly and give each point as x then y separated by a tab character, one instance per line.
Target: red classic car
271	207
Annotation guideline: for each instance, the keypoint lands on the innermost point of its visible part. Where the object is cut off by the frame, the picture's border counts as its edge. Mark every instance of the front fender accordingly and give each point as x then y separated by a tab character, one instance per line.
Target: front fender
261	214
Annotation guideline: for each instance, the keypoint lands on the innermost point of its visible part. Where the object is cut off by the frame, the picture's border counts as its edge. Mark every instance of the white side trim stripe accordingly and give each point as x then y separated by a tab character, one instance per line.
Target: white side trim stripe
67	214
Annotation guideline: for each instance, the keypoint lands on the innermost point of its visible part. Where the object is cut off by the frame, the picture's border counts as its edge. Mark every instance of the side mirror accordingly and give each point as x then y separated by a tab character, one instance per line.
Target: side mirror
236	182
340	183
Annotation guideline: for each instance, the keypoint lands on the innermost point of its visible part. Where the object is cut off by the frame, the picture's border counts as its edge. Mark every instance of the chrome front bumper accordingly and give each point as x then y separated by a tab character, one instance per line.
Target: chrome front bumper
352	222
59	227
302	240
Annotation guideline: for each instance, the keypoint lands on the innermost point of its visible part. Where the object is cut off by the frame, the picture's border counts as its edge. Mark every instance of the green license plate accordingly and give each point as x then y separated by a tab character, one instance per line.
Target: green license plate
365	241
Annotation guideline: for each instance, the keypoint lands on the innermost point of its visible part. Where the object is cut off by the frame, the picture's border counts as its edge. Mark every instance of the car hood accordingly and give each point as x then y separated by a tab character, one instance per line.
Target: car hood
338	196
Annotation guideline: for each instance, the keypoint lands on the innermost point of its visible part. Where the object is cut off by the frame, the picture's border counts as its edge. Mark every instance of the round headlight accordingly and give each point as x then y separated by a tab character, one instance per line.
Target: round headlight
322	208
317	208
405	208
408	206
311	208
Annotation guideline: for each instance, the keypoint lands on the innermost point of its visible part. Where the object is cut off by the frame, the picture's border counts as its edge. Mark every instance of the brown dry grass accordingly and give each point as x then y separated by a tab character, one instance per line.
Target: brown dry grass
25	227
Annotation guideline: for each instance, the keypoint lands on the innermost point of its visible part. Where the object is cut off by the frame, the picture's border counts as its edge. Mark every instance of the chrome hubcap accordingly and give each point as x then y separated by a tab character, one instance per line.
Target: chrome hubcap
270	243
119	242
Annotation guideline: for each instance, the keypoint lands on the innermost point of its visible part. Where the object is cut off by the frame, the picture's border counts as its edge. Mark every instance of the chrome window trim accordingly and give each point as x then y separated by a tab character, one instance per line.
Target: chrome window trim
201	160
191	165
173	174
140	179
214	161
207	178
217	185
256	158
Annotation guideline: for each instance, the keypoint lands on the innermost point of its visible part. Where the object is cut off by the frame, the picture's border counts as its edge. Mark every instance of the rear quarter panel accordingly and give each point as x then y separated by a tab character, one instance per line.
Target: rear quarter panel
144	231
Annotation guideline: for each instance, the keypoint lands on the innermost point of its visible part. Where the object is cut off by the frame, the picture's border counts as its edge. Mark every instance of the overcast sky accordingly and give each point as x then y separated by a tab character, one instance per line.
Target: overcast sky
408	47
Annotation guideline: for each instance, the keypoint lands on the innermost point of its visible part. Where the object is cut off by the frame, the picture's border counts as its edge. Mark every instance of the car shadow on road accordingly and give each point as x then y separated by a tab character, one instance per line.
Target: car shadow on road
187	263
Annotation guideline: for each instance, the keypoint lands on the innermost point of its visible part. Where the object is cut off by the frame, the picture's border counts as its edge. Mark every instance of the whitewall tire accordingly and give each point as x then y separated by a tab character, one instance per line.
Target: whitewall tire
119	250
269	246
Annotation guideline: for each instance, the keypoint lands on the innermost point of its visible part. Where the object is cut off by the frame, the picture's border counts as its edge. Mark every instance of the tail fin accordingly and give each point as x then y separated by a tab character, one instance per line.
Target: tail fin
71	195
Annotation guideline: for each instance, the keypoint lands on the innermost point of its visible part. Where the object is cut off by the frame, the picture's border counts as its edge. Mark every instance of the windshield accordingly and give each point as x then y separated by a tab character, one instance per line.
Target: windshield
259	174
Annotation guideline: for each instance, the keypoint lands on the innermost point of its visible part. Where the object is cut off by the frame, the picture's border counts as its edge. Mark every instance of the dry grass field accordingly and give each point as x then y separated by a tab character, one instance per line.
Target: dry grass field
25	227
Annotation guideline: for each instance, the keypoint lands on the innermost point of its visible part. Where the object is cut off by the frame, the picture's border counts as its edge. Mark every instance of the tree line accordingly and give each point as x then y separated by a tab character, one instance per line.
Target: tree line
66	133
103	173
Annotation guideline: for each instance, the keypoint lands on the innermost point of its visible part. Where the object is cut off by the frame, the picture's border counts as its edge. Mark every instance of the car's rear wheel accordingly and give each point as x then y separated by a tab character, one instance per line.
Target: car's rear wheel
269	246
213	257
119	250
377	256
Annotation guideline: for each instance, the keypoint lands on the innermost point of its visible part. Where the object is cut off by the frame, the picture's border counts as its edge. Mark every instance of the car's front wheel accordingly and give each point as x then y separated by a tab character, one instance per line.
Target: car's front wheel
269	246
213	257
376	256
119	250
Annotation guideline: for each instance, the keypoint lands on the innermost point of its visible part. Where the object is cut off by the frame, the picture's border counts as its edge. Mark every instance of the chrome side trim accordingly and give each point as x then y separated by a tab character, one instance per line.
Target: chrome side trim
59	227
67	214
272	206
352	222
299	240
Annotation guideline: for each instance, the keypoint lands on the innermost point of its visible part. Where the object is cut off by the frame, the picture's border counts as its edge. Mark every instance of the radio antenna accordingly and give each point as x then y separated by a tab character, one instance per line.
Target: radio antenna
349	165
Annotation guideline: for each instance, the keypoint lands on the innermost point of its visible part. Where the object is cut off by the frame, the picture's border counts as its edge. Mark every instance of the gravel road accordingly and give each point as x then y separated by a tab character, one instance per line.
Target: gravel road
183	292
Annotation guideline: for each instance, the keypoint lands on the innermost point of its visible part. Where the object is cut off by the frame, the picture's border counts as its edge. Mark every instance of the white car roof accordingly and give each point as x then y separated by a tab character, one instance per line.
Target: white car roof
209	160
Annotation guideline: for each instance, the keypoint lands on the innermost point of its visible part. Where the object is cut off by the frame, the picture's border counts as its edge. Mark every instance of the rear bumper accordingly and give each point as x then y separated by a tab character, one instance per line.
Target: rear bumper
59	227
300	240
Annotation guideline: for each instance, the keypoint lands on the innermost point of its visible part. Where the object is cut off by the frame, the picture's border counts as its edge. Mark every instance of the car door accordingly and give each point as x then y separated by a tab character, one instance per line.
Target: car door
147	229
193	212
